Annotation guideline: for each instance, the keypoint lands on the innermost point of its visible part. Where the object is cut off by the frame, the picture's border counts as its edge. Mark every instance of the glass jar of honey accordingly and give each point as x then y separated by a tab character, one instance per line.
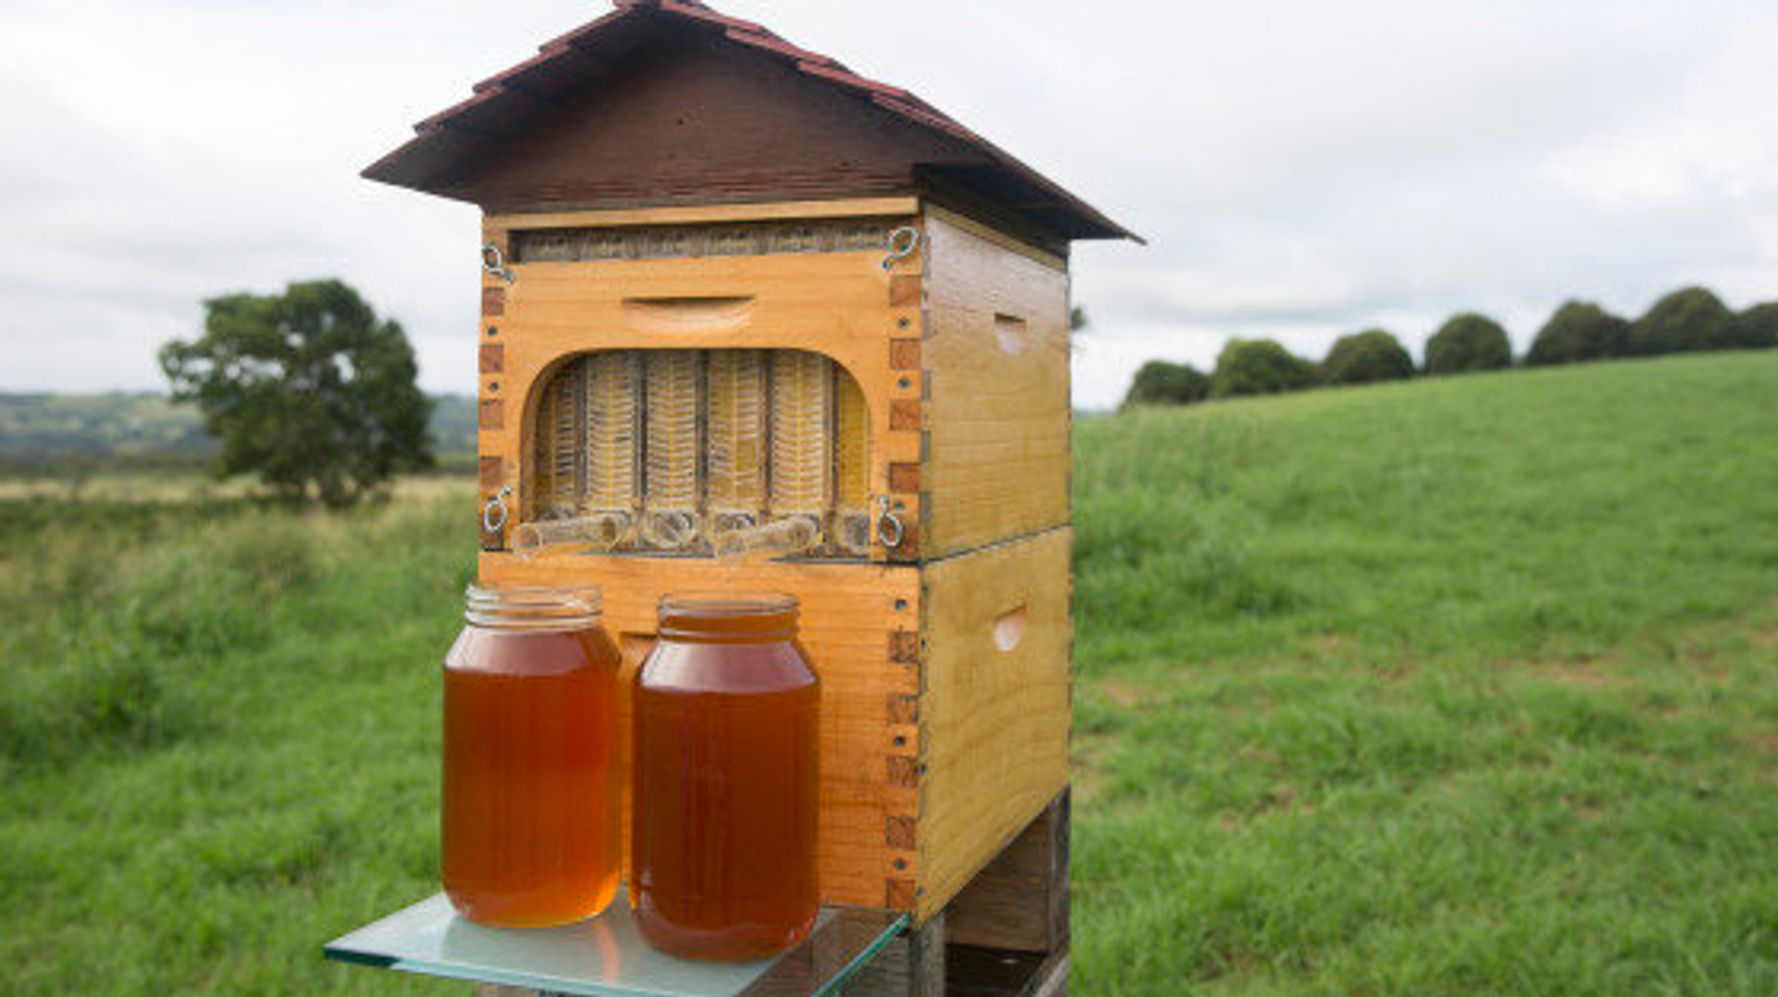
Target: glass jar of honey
532	808
724	802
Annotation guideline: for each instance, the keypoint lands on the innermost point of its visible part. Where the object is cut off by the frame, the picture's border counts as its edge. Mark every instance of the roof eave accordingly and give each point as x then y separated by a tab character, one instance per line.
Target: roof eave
427	159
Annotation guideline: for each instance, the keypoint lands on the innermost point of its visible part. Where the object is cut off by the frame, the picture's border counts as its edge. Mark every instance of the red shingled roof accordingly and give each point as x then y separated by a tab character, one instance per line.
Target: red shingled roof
506	101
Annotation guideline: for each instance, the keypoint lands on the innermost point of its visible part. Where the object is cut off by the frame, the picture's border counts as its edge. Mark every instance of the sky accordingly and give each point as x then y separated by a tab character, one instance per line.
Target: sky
1301	169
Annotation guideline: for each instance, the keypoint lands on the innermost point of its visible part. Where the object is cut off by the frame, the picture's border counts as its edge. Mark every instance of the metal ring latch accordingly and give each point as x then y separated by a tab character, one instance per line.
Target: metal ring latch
495	263
889	527
496	507
902	244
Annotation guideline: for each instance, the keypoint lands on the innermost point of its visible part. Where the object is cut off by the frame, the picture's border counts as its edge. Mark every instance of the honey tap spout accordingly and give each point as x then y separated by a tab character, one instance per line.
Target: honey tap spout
789	535
596	531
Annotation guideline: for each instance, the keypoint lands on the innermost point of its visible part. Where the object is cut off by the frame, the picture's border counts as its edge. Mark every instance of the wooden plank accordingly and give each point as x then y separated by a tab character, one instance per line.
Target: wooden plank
700	214
849	614
912	965
1054	982
978	972
996	357
999	238
994	708
689	122
1020	900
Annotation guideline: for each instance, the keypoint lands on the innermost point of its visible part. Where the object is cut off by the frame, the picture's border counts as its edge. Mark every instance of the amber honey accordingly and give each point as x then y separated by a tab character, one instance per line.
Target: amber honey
724	801
531	808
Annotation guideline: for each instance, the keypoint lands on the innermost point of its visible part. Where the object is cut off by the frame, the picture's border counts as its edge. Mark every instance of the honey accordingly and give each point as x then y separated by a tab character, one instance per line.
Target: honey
531	811
725	796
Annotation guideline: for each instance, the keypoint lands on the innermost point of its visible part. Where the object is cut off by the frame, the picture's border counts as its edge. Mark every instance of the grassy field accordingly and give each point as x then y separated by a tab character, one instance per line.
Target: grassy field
1458	687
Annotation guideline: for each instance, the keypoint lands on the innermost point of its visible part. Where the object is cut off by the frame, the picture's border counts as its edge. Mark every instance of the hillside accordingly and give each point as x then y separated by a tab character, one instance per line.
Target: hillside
1461	686
1467	685
1514	513
141	426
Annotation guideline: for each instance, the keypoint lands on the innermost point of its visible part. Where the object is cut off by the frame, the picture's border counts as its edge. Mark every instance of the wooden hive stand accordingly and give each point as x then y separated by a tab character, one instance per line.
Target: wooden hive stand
667	179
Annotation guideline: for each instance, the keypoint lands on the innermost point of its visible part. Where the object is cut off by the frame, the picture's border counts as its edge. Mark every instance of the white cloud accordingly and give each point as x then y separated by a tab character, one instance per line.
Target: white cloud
1720	140
1302	169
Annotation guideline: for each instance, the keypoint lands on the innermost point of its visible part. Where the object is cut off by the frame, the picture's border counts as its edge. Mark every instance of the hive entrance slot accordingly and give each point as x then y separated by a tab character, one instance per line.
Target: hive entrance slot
719	452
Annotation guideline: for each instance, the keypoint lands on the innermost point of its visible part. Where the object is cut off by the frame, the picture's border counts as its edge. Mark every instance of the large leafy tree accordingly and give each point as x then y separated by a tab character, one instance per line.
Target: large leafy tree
1756	328
1365	357
1468	342
1578	332
1691	318
1163	383
309	389
1259	367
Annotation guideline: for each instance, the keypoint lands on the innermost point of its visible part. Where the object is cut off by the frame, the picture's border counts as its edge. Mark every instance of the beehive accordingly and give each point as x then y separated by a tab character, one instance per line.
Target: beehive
740	300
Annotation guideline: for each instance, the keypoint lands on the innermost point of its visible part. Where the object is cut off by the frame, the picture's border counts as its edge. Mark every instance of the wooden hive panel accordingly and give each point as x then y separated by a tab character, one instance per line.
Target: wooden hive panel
996	359
850	614
837	304
994	710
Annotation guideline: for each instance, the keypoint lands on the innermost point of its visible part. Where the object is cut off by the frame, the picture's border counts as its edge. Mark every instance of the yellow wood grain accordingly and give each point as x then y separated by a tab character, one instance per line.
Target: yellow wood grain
698	214
994	723
848	612
997	237
999	421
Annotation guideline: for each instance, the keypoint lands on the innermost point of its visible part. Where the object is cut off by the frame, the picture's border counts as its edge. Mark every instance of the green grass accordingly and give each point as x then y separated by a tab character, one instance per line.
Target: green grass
218	738
1464	686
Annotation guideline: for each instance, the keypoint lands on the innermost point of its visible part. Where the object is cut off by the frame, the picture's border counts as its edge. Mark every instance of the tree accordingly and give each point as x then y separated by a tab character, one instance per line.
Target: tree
1578	332
309	389
1163	383
1691	318
1756	328
1259	367
1365	357
1468	342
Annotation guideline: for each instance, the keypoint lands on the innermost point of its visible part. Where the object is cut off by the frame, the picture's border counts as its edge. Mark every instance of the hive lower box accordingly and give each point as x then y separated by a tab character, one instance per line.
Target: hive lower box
945	697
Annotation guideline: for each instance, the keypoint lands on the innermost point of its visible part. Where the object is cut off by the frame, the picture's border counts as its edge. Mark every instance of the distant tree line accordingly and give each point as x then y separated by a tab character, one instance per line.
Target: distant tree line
1691	319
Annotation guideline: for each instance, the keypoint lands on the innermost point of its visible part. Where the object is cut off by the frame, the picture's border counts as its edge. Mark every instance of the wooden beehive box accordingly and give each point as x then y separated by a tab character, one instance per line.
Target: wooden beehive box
670	179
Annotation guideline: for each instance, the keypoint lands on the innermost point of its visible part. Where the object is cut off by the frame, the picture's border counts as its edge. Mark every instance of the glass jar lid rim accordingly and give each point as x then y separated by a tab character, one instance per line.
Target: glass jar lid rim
538	603
728	604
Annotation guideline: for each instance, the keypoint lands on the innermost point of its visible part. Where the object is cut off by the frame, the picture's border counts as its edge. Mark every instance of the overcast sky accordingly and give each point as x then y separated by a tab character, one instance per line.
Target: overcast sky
1301	168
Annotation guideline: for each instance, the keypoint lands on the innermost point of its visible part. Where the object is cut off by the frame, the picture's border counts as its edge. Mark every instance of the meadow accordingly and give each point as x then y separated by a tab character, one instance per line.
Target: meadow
1465	686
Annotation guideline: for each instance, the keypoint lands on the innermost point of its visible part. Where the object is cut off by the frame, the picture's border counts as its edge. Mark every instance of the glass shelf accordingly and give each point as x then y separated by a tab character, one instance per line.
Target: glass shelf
606	956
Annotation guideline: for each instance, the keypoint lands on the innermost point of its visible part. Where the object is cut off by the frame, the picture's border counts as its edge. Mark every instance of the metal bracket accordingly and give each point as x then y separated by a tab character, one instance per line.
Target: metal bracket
495	263
903	243
497	506
890	529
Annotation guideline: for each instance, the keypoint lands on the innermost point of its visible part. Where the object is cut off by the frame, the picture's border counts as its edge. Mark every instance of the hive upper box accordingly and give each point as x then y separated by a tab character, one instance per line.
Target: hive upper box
668	101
